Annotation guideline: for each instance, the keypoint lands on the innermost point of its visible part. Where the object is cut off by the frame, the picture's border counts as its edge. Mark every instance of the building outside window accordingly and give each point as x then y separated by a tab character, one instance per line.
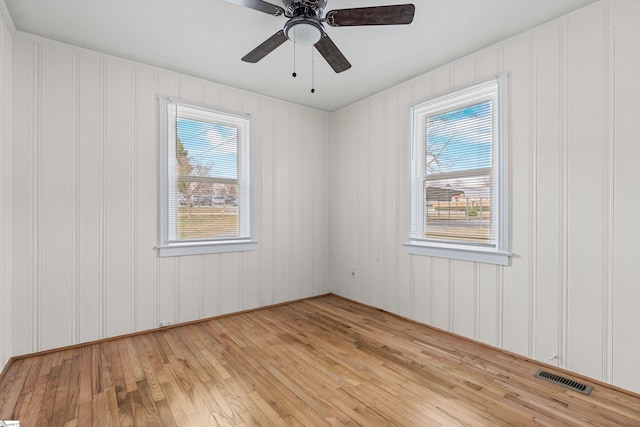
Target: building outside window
206	180
458	205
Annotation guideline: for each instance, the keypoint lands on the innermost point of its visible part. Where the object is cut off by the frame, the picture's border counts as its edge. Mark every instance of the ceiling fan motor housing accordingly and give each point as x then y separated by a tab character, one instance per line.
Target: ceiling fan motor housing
306	8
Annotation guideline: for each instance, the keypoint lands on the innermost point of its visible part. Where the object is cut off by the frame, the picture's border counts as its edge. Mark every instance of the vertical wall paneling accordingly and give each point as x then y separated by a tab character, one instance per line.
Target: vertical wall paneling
354	190
548	234
488	304
344	200
56	197
626	241
282	210
311	191
87	190
84	201
101	188
421	289
189	284
24	298
167	84
305	204
251	290
586	182
377	162
441	293
533	193
392	197
402	296
320	205
463	304
361	196
489	283
567	296
5	191
423	286
265	197
563	216
295	190
36	161
118	152
145	216
609	193
133	201
211	285
337	226
339	195
314	188
516	295
36	247
73	241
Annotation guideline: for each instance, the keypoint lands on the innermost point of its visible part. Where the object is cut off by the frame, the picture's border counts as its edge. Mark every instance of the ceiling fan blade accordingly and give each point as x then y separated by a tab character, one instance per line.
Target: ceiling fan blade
266	47
376	15
259	5
332	54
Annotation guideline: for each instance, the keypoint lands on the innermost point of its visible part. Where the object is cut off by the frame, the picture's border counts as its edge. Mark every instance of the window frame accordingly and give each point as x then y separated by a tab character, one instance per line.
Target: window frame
498	251
246	172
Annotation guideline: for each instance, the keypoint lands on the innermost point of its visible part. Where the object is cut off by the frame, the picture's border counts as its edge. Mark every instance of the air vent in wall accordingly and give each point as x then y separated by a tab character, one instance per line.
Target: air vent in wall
557	379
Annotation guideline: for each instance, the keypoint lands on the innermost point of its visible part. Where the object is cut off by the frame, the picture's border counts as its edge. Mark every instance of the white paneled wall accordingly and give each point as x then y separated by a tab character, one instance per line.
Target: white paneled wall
623	272
5	190
84	202
574	147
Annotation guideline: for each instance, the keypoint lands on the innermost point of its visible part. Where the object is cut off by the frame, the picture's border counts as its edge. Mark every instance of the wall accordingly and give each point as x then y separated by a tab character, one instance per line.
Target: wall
572	287
5	189
84	207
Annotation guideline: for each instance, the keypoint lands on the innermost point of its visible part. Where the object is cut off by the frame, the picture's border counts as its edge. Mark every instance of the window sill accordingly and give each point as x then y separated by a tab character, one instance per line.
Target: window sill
197	248
459	253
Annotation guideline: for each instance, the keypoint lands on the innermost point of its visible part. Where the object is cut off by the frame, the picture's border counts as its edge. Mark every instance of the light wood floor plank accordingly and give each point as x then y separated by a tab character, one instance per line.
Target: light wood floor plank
323	361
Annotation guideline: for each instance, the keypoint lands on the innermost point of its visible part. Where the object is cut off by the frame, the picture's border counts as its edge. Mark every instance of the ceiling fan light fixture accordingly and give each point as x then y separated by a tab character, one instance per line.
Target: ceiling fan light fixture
303	32
305	26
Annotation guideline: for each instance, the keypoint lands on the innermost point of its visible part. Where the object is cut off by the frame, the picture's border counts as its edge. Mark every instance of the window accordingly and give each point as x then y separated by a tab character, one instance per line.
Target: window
458	176
206	180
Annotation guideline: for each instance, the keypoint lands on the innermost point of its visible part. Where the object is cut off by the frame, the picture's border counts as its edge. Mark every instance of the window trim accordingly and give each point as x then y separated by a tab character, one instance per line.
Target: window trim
166	247
498	254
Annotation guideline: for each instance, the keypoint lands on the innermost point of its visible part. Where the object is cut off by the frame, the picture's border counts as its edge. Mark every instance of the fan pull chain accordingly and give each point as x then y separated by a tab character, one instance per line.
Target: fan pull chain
313	63
294	74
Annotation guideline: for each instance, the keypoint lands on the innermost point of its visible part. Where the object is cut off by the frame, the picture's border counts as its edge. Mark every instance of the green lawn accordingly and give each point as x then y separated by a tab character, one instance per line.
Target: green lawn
207	222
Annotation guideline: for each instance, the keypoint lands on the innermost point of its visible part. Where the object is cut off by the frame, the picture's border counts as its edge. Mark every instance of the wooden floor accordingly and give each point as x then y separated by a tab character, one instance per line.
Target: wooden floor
324	361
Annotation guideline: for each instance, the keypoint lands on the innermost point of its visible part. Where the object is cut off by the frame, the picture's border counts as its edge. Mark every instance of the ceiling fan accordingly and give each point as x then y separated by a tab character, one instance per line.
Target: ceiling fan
305	25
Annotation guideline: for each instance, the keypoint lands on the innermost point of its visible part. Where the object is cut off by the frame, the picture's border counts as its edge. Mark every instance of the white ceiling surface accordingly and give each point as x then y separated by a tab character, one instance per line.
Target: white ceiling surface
207	38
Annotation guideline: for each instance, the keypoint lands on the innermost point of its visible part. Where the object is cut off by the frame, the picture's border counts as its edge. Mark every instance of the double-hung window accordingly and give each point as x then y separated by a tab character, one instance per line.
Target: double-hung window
458	175
206	180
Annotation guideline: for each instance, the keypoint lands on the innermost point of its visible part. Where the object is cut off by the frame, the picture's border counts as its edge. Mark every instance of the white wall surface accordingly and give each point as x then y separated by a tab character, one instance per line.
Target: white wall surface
5	189
84	207
574	146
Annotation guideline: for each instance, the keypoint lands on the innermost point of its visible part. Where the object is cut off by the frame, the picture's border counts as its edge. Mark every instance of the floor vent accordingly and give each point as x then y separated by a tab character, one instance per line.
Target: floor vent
557	379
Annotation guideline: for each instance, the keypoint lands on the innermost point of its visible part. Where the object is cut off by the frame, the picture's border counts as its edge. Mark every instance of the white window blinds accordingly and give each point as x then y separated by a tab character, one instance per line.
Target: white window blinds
458	175
206	176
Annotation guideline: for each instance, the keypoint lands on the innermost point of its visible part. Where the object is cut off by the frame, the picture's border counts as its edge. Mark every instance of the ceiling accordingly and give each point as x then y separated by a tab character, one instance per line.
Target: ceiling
207	38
